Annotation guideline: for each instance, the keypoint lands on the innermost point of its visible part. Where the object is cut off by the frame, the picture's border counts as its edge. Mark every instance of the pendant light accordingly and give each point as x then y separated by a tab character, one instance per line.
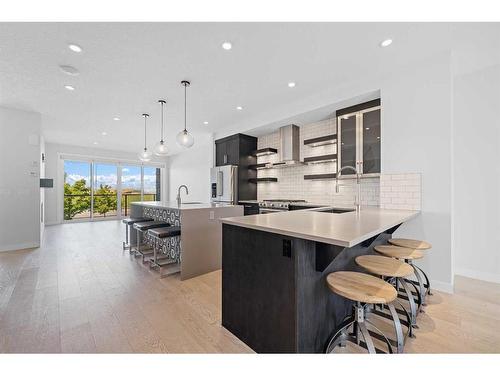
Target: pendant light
145	155
185	139
161	148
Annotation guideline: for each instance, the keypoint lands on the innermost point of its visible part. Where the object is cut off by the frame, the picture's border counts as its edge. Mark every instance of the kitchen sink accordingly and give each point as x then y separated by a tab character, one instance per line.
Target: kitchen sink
333	210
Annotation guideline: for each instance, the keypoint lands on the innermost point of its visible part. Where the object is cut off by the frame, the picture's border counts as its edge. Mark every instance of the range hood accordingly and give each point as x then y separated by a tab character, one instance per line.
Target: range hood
289	152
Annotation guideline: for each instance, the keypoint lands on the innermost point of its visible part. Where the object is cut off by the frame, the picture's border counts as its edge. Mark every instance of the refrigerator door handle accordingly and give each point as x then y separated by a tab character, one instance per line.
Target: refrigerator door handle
220	183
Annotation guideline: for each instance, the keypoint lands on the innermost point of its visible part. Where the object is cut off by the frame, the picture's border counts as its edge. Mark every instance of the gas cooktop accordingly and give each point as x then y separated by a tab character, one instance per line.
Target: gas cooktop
281	204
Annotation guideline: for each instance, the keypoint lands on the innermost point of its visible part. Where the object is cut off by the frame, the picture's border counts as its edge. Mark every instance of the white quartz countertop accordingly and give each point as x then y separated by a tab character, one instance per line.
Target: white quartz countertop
184	206
344	229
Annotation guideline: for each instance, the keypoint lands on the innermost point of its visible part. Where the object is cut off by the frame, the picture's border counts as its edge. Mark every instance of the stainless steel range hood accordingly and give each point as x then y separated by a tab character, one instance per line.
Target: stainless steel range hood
289	146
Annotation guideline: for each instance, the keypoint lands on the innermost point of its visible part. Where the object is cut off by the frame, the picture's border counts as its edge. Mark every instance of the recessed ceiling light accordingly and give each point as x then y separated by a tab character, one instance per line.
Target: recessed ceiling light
367	128
291	84
96	143
69	87
75	48
378	137
69	70
104	133
227	46
205	122
386	43
116	119
239	108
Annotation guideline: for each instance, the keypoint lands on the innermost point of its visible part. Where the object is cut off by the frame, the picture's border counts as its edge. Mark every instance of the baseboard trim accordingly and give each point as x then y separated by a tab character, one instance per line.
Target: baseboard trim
49	223
19	246
478	275
442	286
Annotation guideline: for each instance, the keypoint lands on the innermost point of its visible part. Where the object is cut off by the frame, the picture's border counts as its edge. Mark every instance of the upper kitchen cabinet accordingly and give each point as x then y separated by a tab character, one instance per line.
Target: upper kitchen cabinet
238	150
235	150
359	138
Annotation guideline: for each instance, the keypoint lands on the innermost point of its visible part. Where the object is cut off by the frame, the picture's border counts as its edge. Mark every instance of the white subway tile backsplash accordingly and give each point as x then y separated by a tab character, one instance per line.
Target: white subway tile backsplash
291	183
401	191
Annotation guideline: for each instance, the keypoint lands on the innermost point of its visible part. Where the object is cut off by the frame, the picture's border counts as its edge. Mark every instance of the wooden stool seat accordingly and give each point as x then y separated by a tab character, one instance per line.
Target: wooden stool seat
410	244
399	252
361	287
384	266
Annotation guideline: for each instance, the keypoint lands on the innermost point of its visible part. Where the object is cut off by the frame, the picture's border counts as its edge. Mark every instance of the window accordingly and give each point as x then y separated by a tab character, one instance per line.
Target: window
102	190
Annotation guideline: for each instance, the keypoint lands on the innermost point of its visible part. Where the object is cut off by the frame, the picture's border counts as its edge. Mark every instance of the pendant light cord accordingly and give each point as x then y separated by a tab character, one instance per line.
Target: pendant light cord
145	117
185	105
162	121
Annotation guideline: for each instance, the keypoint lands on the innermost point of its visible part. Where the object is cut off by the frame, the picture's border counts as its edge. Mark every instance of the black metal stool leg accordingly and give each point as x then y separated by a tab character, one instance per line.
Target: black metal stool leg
336	338
367	338
397	327
411	301
420	284
381	334
427	284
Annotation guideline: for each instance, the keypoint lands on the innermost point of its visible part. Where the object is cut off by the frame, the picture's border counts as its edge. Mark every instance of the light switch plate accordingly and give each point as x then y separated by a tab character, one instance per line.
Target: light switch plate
212	215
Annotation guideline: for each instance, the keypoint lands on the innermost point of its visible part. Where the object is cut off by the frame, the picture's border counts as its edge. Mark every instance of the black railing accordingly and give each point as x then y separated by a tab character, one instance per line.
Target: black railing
127	199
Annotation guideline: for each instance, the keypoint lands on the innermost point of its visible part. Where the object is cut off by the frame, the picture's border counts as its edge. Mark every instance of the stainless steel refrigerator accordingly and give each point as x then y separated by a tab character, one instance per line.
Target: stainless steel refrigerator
224	184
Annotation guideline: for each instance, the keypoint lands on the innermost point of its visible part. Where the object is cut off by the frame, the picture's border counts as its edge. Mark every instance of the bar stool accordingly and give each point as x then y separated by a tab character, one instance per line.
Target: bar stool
128	223
143	227
364	290
394	272
408	256
416	245
159	234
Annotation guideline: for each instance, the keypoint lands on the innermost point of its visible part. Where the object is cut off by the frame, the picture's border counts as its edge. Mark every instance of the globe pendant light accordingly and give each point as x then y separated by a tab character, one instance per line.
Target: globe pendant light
185	139
145	155
161	148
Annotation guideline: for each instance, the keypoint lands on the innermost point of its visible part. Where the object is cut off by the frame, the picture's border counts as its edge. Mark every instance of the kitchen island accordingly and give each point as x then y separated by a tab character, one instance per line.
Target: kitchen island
274	266
198	249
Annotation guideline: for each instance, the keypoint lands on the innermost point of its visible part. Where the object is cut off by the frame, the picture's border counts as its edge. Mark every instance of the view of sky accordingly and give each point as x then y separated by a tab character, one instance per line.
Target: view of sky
106	174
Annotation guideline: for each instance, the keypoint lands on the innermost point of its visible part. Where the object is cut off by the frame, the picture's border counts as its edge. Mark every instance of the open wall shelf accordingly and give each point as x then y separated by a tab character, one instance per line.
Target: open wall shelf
265	151
321	159
321	141
263	179
324	176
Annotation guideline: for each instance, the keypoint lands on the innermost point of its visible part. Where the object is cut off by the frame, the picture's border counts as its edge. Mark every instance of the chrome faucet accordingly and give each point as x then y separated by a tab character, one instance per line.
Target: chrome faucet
179	194
358	183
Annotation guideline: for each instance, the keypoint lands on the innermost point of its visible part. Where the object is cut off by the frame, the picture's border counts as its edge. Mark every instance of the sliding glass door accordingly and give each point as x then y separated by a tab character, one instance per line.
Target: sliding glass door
100	190
131	187
105	193
77	190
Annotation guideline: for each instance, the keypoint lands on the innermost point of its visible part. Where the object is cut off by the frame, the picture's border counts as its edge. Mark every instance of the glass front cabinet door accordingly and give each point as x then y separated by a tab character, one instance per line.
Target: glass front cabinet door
359	141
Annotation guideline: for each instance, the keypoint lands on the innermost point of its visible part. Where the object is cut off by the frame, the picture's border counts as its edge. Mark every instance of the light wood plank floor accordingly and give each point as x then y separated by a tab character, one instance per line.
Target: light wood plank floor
79	293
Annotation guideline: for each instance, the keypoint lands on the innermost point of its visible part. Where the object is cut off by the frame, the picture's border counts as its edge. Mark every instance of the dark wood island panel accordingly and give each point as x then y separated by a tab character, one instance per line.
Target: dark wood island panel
274	294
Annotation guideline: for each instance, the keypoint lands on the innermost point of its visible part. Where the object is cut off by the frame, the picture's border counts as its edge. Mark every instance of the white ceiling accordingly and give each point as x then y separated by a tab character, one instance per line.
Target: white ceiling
126	67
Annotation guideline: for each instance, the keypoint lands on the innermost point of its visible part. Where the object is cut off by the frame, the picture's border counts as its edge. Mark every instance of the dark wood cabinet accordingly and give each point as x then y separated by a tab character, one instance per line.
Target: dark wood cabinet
237	150
227	150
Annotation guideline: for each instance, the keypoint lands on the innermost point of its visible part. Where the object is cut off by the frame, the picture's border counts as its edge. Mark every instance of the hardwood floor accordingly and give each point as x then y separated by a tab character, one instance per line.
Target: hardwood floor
79	293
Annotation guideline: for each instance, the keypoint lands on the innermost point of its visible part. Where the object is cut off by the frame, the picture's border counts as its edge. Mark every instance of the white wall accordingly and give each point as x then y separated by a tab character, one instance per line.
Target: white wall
477	174
192	168
416	138
19	190
53	204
